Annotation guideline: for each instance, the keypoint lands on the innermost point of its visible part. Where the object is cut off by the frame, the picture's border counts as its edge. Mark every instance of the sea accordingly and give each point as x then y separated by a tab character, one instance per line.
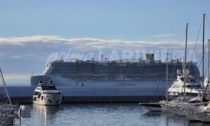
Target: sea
101	114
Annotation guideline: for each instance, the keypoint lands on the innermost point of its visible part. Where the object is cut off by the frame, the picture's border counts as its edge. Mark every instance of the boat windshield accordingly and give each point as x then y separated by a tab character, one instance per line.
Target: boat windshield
49	88
188	79
193	86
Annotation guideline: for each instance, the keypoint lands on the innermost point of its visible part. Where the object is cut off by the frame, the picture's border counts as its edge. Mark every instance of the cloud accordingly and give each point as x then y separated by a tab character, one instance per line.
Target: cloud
47	42
17	78
21	40
38	48
163	35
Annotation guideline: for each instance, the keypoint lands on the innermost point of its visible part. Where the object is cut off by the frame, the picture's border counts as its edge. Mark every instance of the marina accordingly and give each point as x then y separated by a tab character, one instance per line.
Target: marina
193	107
104	63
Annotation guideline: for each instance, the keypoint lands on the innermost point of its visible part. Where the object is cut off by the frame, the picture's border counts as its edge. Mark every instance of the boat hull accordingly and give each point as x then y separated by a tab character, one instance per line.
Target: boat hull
48	99
153	107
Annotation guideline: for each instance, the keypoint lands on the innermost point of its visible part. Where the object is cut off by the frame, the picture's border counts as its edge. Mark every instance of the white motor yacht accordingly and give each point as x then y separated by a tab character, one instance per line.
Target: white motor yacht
47	94
191	88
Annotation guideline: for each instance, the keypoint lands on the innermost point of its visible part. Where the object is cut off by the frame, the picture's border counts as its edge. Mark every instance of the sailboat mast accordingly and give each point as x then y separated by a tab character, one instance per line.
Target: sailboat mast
203	51
4	85
167	77
185	59
208	67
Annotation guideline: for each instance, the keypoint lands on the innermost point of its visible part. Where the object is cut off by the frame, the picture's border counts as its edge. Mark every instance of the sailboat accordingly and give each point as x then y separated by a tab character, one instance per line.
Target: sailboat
192	91
181	82
157	107
166	105
7	111
201	113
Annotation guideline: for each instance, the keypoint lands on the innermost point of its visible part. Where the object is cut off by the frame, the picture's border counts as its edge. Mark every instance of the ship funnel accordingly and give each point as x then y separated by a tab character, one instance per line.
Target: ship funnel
149	56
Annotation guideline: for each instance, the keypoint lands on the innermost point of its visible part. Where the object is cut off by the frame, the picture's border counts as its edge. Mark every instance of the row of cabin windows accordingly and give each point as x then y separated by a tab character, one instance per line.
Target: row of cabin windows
99	70
114	70
42	98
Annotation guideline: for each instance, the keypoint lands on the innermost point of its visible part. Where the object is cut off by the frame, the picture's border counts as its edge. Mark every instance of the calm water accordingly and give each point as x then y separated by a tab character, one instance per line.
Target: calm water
101	115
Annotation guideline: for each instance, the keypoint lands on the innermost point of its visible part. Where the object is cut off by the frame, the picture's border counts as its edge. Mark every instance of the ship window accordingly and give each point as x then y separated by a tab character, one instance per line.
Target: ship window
195	101
42	97
49	88
193	86
39	95
191	94
182	79
38	88
34	99
193	80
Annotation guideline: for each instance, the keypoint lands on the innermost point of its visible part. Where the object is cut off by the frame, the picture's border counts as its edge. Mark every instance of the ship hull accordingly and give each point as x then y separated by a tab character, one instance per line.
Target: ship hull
48	99
61	81
105	88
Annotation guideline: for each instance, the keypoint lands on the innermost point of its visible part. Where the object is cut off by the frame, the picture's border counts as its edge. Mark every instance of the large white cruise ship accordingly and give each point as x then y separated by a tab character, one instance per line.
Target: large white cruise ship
112	78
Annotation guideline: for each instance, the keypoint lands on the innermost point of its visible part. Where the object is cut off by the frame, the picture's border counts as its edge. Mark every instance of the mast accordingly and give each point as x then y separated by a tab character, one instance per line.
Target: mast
167	77
185	59
207	86
203	52
5	88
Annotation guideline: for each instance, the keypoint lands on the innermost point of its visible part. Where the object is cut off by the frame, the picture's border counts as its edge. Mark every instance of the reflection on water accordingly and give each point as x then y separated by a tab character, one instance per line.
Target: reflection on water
47	114
42	116
102	114
171	119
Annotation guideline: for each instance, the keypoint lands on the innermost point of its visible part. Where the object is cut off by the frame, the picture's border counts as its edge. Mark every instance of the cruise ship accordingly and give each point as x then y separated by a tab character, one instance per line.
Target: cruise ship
118	79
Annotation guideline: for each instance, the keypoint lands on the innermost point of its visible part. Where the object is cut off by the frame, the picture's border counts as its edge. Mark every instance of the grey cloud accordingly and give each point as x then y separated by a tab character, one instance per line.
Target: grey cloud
88	43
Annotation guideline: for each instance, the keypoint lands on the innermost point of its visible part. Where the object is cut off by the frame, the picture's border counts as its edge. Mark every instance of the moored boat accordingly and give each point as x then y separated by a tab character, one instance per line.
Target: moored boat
47	94
153	107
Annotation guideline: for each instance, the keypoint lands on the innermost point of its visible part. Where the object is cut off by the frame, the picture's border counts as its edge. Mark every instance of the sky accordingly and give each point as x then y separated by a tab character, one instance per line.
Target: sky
34	32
